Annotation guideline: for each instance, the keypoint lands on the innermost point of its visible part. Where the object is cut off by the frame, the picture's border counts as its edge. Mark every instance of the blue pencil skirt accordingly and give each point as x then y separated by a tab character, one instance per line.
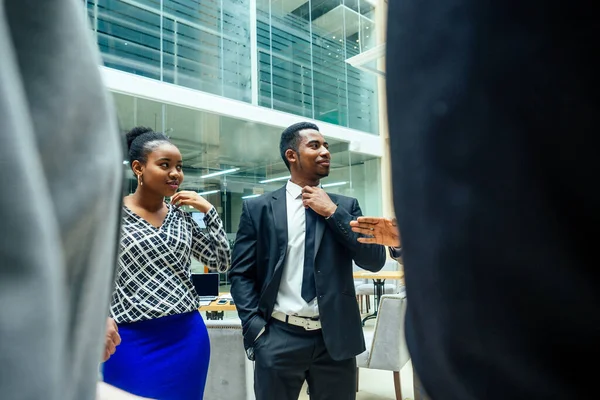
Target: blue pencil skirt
165	358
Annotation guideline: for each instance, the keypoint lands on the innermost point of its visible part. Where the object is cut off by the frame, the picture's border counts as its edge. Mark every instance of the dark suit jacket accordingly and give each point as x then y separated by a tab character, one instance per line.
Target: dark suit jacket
259	254
492	112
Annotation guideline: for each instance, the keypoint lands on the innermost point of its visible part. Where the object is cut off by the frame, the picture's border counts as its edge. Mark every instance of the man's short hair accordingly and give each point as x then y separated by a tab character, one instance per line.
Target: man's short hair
290	138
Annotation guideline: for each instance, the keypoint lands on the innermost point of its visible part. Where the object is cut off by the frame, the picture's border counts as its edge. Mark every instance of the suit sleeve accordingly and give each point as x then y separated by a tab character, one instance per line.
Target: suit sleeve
395	253
243	278
367	256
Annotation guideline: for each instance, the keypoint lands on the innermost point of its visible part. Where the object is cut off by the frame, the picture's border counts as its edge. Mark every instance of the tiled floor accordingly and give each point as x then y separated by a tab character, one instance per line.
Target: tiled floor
379	385
373	384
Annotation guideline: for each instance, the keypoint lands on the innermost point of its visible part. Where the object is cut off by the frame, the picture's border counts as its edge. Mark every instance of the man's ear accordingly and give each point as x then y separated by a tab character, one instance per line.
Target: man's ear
291	156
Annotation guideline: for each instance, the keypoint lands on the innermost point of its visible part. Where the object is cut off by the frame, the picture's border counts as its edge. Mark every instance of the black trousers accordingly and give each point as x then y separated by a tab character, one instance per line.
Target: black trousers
287	355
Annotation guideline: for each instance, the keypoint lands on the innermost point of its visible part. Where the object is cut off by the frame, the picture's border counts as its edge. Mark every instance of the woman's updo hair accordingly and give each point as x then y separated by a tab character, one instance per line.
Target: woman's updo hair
141	141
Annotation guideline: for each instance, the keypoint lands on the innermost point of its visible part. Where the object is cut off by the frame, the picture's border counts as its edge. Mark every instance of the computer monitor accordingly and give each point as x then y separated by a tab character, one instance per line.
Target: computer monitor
206	284
199	218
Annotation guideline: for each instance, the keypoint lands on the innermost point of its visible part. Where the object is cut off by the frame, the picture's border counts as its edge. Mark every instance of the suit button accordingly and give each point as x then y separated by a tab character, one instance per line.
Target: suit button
319	271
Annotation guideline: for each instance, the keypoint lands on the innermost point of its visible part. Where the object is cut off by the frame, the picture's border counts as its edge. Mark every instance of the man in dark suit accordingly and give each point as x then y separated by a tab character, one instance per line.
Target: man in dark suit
492	111
291	279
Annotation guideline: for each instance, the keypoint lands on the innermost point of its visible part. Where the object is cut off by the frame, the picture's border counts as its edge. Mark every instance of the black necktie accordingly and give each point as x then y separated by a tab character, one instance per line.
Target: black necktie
309	291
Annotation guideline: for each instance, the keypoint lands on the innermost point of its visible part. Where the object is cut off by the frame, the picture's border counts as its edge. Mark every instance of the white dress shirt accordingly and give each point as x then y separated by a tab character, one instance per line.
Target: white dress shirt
289	299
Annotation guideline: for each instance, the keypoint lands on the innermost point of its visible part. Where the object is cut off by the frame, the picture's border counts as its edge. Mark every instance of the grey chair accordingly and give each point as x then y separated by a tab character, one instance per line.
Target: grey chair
230	373
366	289
386	346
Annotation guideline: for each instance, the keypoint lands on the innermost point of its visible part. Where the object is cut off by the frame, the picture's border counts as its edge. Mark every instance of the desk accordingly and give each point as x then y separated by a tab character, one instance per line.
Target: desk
378	285
213	306
214	310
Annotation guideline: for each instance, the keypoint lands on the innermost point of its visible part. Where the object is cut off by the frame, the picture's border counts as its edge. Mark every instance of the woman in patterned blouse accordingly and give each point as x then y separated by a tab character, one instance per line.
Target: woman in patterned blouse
164	350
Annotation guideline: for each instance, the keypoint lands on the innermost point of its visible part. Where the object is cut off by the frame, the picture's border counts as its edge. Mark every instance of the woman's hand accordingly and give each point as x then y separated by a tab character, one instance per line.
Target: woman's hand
112	339
193	199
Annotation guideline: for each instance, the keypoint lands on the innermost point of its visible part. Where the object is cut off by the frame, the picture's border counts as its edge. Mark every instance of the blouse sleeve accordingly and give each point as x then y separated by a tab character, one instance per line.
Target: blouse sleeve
211	247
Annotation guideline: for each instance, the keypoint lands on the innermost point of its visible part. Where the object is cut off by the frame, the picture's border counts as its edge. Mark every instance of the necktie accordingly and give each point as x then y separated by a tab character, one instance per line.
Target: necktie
309	291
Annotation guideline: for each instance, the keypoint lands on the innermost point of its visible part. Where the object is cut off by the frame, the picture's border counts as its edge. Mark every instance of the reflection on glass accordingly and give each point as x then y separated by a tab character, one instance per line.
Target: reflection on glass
302	48
229	160
205	45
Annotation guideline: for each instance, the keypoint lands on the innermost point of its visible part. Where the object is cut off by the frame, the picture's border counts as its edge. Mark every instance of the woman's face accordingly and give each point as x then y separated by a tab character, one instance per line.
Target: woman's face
162	173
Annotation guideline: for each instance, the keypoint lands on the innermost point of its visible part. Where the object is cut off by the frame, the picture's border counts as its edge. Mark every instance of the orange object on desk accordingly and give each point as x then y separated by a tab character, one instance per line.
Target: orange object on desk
213	306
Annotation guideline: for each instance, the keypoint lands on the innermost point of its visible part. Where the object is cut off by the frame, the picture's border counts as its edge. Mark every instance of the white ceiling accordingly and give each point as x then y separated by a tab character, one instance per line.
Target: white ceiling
210	143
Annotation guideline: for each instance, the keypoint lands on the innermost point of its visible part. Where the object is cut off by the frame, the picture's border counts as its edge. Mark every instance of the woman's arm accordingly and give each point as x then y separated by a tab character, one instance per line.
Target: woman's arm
211	247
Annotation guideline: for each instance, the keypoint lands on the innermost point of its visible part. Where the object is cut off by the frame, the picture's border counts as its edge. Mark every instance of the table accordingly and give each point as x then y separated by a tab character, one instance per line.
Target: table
215	311
378	285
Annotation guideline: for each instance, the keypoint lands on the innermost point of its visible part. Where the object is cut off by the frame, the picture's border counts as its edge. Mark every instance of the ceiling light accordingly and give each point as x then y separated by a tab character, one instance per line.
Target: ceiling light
281	178
334	184
226	171
250	196
209	192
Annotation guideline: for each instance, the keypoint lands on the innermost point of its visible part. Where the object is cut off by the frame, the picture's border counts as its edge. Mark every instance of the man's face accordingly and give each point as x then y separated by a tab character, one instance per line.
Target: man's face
313	157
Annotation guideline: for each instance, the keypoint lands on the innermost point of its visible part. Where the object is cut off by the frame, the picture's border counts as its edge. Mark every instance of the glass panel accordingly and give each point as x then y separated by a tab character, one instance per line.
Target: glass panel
302	70
210	143
205	45
358	176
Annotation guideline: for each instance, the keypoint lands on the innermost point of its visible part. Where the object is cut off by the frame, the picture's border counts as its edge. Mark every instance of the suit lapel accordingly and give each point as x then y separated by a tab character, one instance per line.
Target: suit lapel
279	209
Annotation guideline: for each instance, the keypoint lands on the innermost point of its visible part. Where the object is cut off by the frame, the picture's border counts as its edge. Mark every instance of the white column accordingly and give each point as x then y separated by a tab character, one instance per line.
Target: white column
386	173
253	53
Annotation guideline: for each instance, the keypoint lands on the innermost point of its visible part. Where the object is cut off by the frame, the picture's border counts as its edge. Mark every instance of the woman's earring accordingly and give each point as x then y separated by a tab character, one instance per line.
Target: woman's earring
140	180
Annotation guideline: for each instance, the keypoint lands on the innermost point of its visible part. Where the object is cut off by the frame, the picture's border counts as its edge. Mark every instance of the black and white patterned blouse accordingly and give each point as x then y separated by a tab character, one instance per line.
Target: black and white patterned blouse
153	276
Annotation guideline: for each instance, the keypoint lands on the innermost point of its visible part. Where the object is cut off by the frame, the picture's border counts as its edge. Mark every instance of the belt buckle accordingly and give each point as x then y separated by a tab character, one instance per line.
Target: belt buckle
308	327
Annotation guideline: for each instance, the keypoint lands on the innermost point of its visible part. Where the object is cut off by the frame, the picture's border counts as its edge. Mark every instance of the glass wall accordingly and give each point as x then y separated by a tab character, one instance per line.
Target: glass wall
211	144
302	50
202	45
206	45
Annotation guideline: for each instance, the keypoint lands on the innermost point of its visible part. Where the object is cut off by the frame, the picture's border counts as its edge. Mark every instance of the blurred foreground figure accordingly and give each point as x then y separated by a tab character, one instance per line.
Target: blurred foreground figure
492	107
60	158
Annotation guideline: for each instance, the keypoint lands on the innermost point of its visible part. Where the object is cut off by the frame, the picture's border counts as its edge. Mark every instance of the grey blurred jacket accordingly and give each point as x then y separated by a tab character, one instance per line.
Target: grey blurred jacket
61	182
